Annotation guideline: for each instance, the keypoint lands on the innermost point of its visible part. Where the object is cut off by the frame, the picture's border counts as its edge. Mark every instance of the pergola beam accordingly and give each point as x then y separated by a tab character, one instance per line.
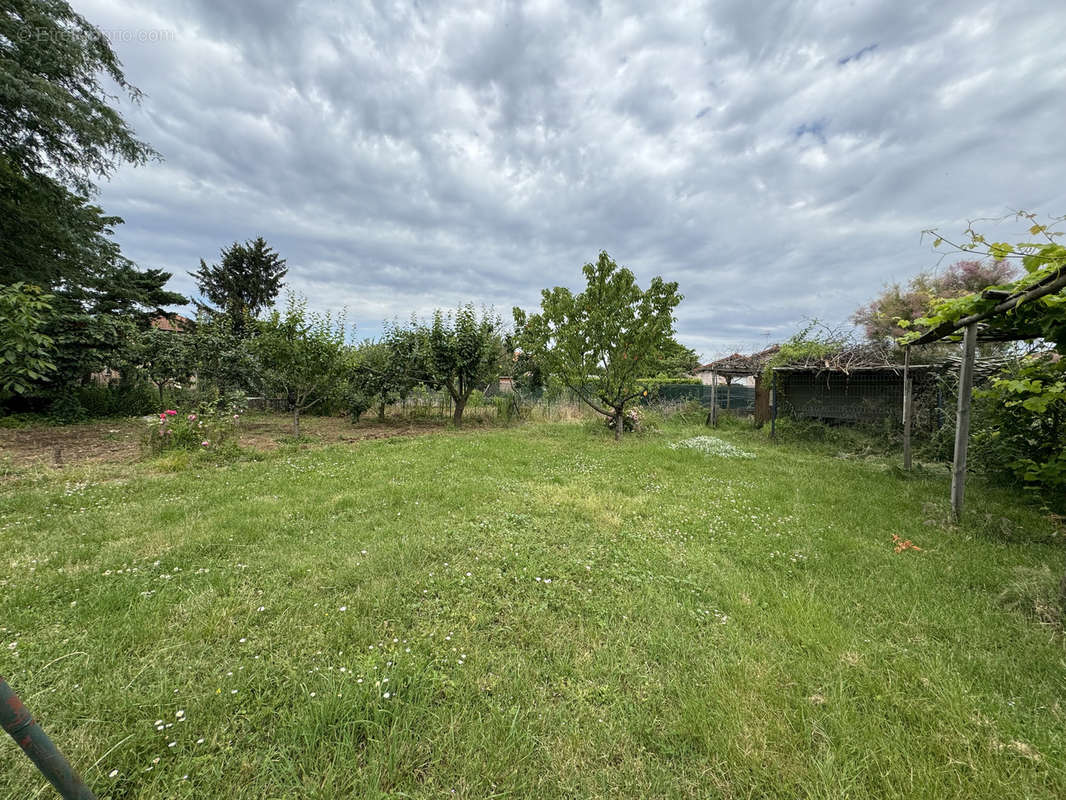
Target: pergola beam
1051	284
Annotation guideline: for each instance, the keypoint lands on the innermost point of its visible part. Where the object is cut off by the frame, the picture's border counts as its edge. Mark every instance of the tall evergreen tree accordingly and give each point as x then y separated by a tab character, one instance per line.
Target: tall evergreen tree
246	281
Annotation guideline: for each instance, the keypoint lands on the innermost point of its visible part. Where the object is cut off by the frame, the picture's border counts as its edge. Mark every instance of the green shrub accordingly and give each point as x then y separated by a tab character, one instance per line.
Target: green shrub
815	341
509	407
13	421
96	401
1019	430
359	402
667	381
687	412
118	400
67	409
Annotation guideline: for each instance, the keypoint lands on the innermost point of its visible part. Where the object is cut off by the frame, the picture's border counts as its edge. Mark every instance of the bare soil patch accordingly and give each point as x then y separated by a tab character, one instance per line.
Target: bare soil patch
120	440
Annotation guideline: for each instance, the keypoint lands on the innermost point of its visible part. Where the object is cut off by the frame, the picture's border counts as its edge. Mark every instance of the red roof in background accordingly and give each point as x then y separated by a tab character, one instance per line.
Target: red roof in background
178	323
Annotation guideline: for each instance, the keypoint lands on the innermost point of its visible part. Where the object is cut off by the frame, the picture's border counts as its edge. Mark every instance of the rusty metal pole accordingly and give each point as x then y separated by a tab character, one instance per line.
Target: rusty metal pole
19	722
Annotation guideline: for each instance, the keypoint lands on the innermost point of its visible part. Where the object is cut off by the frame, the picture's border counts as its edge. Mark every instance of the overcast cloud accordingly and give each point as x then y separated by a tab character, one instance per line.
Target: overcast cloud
778	159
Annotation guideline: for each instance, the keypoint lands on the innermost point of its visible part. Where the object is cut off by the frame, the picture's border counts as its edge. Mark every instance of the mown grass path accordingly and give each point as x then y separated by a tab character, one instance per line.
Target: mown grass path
534	612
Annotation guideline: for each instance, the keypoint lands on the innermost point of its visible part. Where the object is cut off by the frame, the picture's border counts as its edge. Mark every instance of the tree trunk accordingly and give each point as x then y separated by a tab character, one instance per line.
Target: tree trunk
381	412
618	425
296	422
457	415
160	394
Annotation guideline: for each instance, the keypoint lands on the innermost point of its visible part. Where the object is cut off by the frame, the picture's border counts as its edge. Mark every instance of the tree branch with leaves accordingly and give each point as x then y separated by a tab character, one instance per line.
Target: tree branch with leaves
27	354
1043	260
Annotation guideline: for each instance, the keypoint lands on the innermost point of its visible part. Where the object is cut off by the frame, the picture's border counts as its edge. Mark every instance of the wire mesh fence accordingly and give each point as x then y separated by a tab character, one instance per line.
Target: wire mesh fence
733	397
872	396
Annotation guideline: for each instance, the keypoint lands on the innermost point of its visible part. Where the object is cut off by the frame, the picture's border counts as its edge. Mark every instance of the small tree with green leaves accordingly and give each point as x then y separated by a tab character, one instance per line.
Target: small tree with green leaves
224	360
676	361
164	357
358	401
599	341
460	352
26	354
381	372
300	355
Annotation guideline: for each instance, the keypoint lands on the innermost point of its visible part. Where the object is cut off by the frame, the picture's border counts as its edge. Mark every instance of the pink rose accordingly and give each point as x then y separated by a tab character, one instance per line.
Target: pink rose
170	413
191	417
204	443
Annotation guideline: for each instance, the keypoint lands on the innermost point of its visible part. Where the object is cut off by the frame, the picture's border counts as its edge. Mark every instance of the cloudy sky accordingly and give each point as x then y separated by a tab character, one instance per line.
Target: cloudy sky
778	159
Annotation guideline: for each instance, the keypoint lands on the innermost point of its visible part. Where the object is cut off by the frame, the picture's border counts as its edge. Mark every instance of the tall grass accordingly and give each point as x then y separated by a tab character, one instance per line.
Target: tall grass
530	612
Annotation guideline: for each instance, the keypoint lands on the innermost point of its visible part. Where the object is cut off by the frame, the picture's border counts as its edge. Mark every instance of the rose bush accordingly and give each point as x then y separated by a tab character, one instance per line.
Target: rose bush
207	428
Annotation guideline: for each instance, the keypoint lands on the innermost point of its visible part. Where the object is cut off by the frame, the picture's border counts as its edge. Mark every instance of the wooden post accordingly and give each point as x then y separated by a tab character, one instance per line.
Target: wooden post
773	405
714	398
762	401
908	408
962	420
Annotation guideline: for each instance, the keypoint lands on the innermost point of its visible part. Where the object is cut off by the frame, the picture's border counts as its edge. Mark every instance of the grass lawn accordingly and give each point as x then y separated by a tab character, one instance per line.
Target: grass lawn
533	612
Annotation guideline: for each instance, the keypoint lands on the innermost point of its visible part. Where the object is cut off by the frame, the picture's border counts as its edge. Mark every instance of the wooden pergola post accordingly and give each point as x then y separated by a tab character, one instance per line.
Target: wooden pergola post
962	420
908	408
773	404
